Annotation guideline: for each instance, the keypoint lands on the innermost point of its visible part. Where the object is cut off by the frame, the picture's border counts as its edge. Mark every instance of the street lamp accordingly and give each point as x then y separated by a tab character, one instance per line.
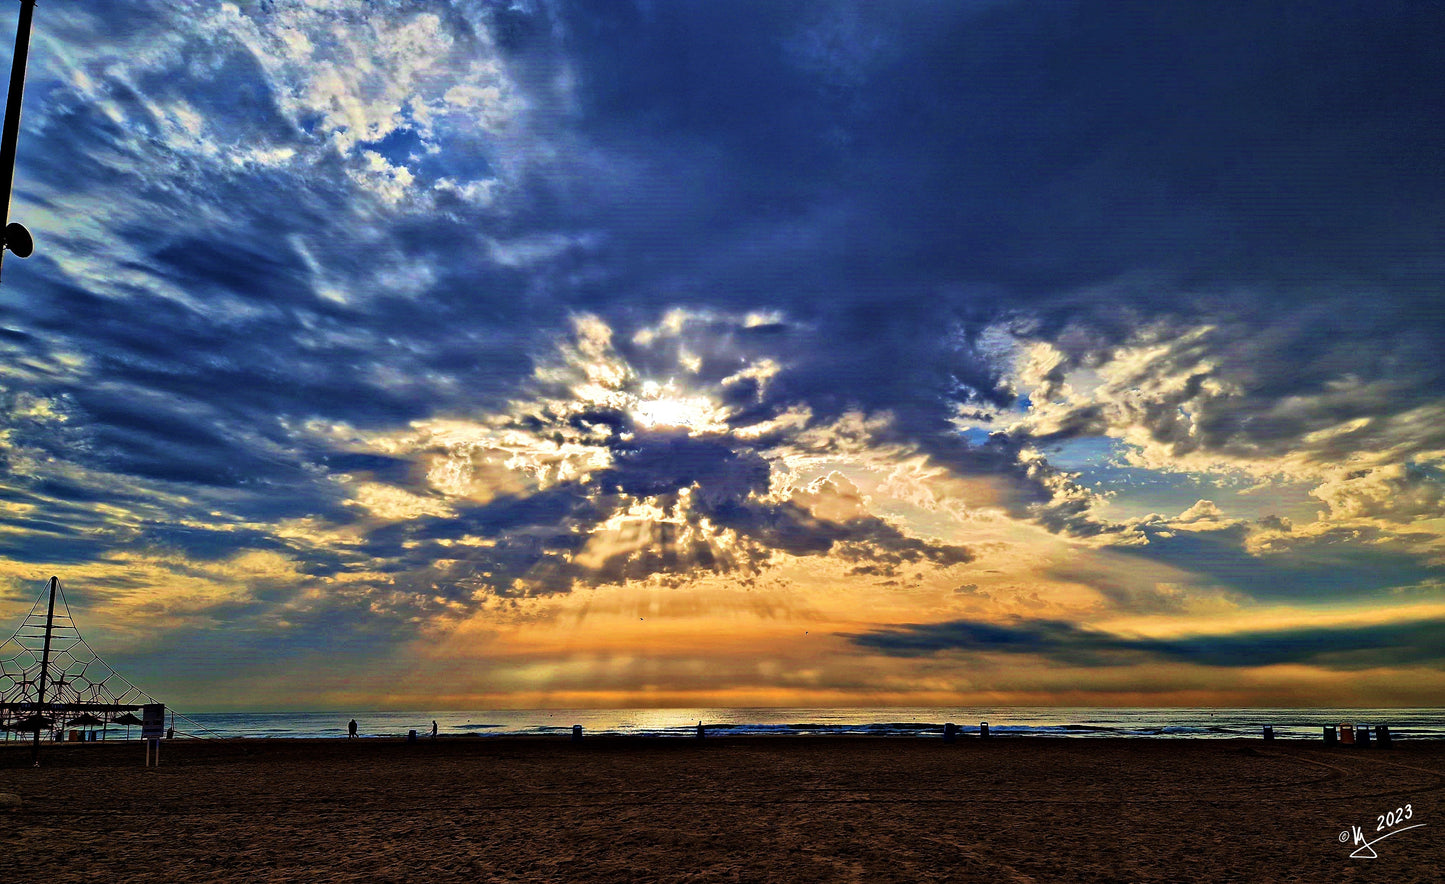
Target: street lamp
16	238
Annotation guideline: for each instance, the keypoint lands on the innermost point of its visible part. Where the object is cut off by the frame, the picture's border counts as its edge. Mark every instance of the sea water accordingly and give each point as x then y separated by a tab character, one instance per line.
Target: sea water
915	722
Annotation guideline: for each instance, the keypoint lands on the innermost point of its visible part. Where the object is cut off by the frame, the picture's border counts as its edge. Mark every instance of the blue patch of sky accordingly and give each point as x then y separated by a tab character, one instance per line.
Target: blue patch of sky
1082	454
1136	491
459	159
400	147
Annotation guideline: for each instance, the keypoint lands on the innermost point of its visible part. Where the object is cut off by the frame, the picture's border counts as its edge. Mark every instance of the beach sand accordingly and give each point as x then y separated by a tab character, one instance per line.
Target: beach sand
722	809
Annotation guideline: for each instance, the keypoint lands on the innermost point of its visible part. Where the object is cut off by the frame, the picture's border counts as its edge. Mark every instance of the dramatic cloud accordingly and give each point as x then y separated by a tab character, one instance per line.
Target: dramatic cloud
365	329
1410	643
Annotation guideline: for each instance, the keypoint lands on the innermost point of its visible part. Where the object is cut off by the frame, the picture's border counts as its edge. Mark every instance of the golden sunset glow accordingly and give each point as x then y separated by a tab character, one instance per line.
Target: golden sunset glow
508	355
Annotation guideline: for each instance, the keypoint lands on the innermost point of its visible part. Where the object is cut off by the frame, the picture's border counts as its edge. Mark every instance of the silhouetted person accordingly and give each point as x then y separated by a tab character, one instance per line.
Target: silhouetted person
700	732
433	729
351	729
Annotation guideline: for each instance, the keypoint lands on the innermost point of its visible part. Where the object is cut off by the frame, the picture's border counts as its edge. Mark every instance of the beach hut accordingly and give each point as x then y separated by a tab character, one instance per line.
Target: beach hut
127	719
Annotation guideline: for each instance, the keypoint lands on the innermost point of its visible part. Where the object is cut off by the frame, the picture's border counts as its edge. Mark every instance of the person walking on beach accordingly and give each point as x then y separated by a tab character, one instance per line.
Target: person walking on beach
433	729
351	730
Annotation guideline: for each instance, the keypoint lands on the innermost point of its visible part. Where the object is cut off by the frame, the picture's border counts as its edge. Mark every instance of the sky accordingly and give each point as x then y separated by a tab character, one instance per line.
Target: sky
553	354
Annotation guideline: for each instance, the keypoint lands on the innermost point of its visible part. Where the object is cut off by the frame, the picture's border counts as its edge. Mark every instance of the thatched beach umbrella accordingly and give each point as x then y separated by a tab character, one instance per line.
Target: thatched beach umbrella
33	723
85	720
127	719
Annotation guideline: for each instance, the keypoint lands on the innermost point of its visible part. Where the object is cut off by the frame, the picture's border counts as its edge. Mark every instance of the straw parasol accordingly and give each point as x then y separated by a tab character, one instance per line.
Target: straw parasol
85	720
127	719
33	723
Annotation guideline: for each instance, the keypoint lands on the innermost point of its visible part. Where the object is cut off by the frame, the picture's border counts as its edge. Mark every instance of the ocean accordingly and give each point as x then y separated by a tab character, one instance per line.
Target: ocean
910	722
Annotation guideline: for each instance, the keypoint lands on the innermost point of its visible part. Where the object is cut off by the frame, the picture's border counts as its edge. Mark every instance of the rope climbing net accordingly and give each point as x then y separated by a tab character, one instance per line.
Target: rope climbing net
52	679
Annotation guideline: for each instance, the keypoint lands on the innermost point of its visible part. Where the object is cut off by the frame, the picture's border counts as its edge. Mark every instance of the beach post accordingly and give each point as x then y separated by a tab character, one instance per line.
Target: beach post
1269	732
576	733
950	732
1382	735
1329	735
983	730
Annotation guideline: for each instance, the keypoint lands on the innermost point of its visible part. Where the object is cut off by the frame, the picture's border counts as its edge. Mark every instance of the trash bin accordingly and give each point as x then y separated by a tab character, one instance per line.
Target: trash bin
1347	734
576	733
411	736
950	732
1362	735
1269	732
1382	735
983	730
1330	734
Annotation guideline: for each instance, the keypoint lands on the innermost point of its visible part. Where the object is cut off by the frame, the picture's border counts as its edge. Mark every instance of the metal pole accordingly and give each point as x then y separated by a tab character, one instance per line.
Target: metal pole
44	670
11	132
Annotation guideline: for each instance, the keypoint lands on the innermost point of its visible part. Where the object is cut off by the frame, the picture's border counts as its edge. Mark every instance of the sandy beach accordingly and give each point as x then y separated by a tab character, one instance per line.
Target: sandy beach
723	809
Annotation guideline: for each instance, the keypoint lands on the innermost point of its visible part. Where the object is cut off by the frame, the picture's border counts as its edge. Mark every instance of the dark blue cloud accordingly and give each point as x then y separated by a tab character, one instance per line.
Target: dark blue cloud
1332	567
538	536
206	544
58	546
1037	146
552	507
898	178
889	180
895	178
1409	643
393	469
648	464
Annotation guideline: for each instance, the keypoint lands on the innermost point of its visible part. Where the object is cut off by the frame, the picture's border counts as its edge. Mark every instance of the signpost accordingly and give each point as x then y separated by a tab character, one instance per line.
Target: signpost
153	727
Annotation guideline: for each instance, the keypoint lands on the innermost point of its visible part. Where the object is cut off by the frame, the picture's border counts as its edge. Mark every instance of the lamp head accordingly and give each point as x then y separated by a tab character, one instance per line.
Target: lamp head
18	240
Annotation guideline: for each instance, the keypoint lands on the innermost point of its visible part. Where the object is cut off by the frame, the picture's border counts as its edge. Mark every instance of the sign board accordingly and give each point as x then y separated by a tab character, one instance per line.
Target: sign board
153	721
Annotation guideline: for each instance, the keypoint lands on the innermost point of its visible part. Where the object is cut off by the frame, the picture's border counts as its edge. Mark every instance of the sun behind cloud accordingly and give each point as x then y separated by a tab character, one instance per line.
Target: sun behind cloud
664	405
615	347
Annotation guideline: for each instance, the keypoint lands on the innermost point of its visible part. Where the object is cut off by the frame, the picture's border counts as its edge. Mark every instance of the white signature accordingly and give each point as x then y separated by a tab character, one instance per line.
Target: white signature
1385	822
